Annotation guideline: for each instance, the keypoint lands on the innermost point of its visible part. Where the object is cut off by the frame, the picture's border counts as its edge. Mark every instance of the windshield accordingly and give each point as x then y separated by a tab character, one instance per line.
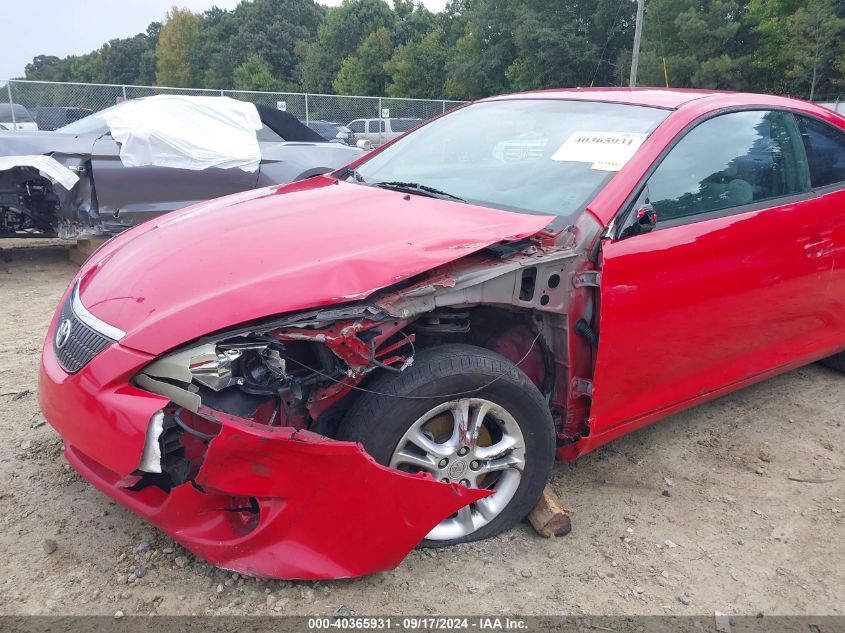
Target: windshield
91	124
537	156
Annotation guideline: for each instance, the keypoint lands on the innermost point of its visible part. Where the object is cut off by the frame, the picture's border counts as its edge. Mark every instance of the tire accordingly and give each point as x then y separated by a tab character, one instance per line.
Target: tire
510	408
837	362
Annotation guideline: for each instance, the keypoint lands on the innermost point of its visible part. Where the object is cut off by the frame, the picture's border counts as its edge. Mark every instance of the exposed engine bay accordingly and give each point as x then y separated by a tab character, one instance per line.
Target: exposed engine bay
34	205
303	371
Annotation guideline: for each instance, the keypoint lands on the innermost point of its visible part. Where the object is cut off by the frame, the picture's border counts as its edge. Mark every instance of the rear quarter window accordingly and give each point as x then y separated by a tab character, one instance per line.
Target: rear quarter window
825	147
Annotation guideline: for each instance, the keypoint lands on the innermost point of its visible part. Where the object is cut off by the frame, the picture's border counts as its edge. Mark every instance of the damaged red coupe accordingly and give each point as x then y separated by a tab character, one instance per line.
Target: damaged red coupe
309	380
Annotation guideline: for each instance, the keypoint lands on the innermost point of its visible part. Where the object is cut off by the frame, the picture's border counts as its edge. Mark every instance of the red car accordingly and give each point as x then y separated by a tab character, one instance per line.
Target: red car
307	381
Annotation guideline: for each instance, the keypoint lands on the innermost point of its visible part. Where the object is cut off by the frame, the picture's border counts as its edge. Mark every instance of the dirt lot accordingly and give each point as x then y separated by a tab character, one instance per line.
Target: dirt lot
698	513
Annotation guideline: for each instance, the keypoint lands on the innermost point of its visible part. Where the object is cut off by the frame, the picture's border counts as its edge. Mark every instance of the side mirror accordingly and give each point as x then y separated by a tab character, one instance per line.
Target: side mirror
364	144
645	219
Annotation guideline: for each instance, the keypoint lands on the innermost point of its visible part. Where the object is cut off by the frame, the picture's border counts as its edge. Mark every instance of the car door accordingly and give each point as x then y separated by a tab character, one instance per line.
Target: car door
376	131
825	145
357	128
370	131
729	284
136	194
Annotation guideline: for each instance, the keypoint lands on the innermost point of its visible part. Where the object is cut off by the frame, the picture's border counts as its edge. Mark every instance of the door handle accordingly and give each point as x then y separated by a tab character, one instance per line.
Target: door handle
818	248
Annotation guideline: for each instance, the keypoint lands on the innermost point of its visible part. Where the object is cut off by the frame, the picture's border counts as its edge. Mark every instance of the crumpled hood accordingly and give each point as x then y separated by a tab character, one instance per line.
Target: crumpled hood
275	250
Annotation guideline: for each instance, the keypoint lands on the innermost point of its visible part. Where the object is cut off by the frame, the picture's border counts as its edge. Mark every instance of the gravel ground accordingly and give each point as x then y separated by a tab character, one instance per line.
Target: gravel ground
701	512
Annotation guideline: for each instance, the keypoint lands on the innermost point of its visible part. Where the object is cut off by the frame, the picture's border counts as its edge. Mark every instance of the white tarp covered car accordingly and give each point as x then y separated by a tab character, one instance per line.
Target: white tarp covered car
144	157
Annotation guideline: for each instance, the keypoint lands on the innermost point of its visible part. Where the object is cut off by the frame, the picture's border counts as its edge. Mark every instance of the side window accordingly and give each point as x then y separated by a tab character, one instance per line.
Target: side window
825	150
381	126
729	161
356	127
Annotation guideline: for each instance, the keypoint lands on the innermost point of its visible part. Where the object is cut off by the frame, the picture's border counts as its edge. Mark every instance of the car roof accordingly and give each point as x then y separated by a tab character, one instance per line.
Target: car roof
6	108
60	108
22	115
668	98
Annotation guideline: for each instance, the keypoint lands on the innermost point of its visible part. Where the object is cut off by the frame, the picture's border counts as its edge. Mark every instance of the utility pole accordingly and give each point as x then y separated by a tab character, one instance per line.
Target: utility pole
638	32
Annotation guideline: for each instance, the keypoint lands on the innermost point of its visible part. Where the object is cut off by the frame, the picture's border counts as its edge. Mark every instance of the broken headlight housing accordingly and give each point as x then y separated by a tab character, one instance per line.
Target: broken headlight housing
255	377
254	366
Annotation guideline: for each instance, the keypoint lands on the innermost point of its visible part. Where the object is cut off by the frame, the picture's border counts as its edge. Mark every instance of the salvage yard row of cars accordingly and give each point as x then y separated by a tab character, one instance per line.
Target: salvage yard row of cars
308	380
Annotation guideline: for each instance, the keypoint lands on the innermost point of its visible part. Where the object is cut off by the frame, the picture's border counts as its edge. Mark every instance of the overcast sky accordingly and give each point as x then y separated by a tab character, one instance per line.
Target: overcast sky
62	27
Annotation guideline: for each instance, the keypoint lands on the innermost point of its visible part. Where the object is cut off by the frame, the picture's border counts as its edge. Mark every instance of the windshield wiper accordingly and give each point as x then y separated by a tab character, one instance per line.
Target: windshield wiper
415	187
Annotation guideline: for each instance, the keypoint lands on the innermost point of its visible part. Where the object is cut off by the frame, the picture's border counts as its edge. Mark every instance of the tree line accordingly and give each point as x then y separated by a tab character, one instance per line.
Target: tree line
475	48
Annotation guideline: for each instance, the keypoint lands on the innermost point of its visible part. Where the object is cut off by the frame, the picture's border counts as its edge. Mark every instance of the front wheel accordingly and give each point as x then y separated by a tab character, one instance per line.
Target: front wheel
466	415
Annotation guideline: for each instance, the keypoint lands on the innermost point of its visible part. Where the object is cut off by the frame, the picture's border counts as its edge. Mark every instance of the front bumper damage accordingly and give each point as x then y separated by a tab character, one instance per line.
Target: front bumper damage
267	501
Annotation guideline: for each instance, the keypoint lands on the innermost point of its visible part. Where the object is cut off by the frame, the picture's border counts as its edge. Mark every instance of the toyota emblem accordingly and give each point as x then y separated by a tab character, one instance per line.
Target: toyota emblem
63	334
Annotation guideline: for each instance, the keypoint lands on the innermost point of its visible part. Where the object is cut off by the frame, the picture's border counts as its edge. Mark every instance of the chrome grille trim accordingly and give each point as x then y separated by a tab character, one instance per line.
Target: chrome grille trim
86	335
99	326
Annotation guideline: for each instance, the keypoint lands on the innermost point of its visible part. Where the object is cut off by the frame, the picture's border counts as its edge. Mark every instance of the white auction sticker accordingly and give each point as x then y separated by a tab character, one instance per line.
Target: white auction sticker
607	151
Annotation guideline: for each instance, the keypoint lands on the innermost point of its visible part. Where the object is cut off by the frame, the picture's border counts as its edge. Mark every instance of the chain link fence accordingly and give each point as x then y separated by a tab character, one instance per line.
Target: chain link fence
80	99
84	98
837	105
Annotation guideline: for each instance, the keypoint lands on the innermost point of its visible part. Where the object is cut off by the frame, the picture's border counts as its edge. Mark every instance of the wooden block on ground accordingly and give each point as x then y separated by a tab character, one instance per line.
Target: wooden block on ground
551	517
84	249
76	256
90	244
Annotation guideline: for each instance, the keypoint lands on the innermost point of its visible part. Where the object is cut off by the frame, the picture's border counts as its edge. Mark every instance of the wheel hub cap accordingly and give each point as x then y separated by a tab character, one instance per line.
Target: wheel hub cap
457	469
470	441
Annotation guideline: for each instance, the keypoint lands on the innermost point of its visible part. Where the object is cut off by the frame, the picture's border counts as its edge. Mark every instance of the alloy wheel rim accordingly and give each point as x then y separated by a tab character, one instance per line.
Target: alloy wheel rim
472	442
